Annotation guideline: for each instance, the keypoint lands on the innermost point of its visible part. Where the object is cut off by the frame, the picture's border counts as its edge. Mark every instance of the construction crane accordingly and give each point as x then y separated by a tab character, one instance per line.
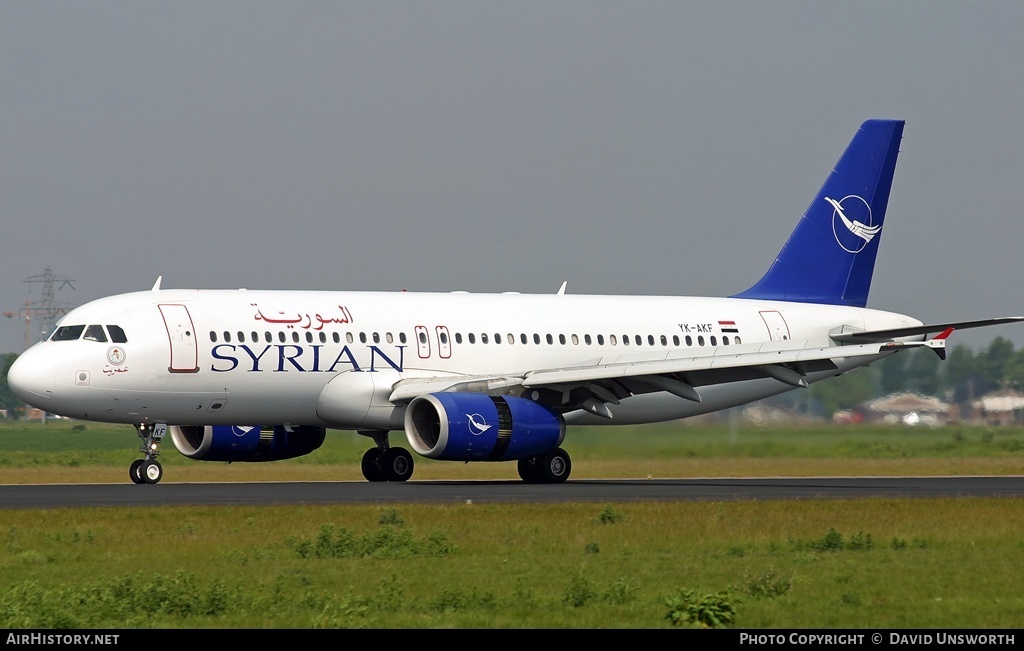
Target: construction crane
40	315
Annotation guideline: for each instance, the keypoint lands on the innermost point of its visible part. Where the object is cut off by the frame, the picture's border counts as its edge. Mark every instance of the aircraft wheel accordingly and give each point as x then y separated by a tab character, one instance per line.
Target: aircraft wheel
371	465
151	471
133	471
555	467
528	470
396	464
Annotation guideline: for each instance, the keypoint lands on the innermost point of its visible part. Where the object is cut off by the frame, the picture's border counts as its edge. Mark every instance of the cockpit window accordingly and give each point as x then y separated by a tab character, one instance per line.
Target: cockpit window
95	333
67	333
117	334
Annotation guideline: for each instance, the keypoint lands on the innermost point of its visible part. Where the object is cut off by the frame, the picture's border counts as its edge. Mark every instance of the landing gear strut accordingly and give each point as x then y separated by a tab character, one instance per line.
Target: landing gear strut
148	470
385	463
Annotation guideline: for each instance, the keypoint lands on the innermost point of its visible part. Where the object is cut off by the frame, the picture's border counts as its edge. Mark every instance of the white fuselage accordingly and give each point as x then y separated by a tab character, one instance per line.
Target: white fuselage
209	357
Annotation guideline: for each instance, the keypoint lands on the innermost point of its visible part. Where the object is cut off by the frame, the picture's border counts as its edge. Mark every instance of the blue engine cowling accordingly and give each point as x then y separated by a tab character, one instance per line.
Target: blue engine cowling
478	427
245	442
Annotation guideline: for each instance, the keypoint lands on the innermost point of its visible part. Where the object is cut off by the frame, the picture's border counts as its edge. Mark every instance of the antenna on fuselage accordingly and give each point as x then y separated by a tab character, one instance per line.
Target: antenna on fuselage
156	285
561	290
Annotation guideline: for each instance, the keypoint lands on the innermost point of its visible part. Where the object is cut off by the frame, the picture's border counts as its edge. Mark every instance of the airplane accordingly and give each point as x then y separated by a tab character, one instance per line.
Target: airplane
258	375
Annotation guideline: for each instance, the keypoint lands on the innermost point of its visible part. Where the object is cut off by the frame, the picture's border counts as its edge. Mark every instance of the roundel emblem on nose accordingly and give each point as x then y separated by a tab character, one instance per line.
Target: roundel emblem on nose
116	355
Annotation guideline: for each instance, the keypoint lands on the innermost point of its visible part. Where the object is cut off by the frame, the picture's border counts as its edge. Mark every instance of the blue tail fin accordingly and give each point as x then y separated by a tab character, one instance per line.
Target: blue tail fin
830	256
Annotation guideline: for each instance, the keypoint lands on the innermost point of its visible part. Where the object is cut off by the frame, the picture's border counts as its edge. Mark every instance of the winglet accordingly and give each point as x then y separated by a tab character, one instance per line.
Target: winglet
156	285
938	343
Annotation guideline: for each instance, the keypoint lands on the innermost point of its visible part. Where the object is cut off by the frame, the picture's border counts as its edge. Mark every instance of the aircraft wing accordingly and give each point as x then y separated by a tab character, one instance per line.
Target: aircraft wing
721	365
892	333
613	378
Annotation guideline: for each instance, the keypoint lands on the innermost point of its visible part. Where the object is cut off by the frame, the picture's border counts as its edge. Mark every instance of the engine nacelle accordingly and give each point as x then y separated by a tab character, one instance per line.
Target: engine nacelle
245	442
479	427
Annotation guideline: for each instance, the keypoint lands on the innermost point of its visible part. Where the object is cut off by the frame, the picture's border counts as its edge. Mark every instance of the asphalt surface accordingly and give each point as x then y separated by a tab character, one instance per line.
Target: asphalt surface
30	496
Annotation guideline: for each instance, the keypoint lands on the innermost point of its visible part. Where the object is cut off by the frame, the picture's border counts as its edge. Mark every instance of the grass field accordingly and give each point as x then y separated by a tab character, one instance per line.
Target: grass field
874	563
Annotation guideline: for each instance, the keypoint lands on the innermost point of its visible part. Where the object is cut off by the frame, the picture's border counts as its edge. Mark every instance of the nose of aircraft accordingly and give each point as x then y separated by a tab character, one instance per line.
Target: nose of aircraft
31	379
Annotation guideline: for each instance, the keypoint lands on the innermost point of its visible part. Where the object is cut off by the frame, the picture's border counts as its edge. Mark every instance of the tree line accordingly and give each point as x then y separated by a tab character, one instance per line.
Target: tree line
962	378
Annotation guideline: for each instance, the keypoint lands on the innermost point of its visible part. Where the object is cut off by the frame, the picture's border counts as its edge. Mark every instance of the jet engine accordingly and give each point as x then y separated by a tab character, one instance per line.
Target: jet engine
245	442
479	427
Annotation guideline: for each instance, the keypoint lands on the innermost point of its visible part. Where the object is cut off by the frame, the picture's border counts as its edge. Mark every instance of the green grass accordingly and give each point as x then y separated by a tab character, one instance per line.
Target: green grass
872	563
852	564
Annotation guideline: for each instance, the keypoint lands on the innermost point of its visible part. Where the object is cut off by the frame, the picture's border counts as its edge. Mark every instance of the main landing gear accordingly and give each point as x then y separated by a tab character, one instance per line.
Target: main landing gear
550	468
148	470
385	463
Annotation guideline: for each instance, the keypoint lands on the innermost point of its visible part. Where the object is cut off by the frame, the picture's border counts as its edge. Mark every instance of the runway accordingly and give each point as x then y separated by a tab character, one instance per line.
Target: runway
48	496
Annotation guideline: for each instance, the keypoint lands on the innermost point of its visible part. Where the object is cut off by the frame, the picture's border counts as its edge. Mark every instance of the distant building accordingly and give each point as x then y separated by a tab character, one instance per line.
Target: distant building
906	408
999	408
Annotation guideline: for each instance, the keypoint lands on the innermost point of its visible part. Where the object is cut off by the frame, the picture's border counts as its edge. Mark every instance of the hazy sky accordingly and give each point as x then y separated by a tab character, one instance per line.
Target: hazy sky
624	147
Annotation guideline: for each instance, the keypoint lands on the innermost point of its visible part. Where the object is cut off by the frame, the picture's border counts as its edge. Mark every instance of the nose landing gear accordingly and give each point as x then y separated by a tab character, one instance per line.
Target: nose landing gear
148	470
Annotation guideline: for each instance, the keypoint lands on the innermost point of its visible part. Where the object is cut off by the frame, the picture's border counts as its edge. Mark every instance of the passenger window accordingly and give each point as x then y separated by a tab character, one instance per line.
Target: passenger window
309	337
401	337
483	338
600	340
269	337
458	337
664	340
689	340
117	334
700	340
335	337
362	337
611	340
639	340
625	340
213	336
348	337
280	336
472	338
549	339
227	336
323	337
586	339
675	340
443	337
536	338
376	337
523	338
295	337
714	340
561	339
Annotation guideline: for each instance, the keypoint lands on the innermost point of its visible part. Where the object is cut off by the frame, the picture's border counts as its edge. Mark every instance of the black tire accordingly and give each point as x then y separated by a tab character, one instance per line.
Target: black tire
554	468
133	471
151	471
396	464
528	470
371	465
